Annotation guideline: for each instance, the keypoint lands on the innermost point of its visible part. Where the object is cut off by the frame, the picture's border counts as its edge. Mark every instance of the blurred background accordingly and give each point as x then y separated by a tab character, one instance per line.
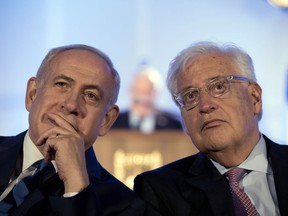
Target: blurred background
135	31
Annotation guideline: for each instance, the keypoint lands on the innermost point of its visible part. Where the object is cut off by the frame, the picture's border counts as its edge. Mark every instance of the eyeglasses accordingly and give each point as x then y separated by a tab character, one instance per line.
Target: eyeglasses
216	87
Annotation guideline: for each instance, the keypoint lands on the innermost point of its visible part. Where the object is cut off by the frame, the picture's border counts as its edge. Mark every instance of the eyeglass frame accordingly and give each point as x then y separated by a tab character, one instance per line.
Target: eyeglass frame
229	78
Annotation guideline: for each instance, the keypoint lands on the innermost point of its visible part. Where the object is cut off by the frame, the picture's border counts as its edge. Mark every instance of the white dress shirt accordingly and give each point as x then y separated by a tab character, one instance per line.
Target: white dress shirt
259	183
30	153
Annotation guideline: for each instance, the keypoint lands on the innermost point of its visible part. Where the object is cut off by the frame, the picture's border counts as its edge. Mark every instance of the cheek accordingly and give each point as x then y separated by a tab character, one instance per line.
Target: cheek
90	127
36	115
189	123
36	109
240	113
244	105
43	104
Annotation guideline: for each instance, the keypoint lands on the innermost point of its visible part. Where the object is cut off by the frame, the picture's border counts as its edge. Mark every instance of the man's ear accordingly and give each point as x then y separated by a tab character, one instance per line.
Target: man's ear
30	92
256	93
109	119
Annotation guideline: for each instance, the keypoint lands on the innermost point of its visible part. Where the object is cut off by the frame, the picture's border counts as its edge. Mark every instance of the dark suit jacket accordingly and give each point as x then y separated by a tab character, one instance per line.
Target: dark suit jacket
193	186
104	196
164	120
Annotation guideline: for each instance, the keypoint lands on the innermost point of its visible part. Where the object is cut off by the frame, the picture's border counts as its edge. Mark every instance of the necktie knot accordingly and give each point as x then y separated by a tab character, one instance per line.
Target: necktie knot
236	174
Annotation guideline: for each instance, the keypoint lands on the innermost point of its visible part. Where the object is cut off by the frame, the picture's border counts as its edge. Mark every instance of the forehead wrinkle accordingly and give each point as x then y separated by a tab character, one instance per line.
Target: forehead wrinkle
220	63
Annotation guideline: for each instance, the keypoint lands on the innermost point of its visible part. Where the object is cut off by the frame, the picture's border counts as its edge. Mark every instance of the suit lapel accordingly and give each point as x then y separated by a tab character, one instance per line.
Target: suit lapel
204	176
92	165
10	148
277	155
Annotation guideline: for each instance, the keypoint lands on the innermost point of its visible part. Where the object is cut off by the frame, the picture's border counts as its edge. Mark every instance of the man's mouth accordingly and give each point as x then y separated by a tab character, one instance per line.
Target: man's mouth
211	124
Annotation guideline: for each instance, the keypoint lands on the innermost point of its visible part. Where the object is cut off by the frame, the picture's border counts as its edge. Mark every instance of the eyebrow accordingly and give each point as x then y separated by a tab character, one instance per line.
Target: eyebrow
62	76
69	79
213	78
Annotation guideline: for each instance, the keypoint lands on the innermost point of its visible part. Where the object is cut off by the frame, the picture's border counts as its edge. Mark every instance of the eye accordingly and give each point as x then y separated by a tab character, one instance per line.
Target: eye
190	96
61	84
218	87
91	97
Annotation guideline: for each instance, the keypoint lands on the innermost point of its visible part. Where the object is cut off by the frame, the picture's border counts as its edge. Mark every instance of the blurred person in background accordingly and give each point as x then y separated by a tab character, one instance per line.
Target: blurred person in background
143	114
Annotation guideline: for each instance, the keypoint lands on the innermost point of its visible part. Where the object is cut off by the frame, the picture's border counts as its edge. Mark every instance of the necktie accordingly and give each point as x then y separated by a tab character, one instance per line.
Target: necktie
242	203
23	185
28	172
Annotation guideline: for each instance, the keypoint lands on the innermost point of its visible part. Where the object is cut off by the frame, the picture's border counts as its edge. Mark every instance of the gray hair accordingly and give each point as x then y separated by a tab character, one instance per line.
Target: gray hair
53	53
188	55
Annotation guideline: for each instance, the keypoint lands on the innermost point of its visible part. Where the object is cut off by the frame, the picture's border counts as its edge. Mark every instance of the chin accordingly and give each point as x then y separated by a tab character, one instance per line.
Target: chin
216	141
216	148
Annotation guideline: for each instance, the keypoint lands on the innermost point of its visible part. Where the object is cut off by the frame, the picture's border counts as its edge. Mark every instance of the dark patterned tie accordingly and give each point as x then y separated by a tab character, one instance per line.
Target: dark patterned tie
242	203
26	185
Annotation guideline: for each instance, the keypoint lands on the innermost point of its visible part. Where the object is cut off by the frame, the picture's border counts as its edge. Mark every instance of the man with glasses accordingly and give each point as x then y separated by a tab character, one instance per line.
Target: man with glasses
238	170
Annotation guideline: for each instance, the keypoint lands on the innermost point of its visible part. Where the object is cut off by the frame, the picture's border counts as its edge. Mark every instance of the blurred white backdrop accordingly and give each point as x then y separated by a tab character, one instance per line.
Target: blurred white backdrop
132	31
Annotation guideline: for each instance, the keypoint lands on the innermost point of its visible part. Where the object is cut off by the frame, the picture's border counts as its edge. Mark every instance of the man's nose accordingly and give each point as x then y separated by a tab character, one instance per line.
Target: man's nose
72	104
206	102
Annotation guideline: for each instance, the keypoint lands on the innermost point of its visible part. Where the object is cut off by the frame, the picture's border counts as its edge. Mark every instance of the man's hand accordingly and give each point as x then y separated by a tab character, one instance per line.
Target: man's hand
64	144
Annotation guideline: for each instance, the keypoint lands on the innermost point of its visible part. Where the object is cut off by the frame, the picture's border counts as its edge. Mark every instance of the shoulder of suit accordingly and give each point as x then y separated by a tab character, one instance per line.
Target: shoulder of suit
181	165
4	139
272	143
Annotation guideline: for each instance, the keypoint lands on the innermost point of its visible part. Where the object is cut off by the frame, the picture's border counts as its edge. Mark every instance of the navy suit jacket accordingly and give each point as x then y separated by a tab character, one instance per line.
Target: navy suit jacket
164	121
104	196
193	186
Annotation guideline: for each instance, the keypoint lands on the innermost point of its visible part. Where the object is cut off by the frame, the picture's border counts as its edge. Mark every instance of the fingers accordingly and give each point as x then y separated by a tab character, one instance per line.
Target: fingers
68	124
64	143
49	143
50	138
68	151
61	126
50	149
54	138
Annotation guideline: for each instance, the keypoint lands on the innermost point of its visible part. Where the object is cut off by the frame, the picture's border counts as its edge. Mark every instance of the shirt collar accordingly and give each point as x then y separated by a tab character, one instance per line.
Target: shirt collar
31	154
256	161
